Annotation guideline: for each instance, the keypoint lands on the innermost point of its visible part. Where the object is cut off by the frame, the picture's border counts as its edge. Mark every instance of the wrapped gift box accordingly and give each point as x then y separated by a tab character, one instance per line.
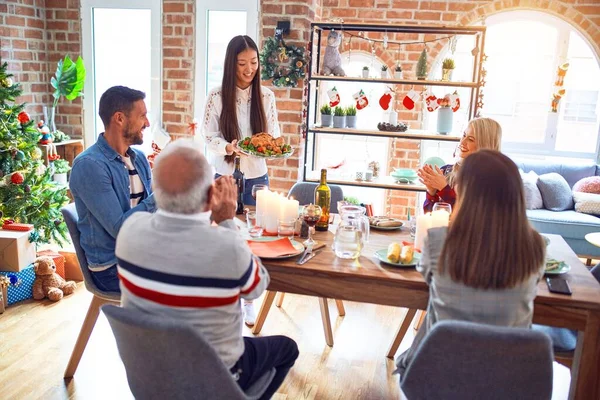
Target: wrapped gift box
59	260
24	290
72	269
16	251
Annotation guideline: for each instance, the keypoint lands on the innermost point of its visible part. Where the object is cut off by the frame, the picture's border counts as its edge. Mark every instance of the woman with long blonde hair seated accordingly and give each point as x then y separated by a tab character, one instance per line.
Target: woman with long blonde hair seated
481	133
486	266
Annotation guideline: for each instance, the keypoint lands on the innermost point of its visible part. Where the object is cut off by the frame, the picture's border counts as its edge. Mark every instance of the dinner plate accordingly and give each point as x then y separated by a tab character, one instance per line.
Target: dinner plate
563	268
299	247
382	256
385	228
260	155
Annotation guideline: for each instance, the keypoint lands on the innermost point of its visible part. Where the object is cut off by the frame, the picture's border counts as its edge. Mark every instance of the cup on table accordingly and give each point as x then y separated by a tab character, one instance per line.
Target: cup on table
254	229
286	227
369	175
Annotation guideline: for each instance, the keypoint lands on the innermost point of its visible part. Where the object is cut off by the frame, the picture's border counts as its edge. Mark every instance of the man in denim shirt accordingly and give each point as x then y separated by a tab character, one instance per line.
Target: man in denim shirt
110	181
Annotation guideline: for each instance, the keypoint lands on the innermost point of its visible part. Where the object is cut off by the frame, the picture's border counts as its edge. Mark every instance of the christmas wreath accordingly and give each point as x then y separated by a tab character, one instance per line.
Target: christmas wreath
282	63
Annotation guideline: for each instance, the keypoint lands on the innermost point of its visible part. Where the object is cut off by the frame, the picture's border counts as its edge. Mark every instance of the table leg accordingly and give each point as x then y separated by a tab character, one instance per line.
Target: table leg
586	367
340	307
280	299
410	314
264	310
326	321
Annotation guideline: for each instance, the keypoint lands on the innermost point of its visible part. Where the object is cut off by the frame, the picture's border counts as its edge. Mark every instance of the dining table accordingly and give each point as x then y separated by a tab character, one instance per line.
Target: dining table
368	280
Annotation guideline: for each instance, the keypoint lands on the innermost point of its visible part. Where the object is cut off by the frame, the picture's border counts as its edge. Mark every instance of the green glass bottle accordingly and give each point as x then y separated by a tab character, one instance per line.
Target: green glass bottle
323	200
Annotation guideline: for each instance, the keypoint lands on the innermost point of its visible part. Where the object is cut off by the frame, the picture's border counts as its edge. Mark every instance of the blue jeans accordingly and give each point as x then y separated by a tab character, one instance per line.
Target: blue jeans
107	280
261	180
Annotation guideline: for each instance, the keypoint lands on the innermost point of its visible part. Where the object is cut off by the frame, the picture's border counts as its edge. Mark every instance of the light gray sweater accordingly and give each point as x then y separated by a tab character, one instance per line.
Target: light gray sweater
181	267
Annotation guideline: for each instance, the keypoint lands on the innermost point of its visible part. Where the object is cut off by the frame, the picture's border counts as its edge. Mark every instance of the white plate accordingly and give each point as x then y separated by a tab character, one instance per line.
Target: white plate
299	247
382	256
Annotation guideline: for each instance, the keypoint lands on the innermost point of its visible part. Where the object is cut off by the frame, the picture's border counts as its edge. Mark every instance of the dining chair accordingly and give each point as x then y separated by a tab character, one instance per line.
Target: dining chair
465	360
101	297
304	192
168	359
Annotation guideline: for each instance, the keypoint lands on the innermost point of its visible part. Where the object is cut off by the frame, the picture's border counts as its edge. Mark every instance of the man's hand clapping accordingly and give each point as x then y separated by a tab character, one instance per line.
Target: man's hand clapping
224	199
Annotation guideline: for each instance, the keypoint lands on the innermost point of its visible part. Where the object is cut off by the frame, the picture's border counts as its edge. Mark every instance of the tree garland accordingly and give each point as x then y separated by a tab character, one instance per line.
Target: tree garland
282	63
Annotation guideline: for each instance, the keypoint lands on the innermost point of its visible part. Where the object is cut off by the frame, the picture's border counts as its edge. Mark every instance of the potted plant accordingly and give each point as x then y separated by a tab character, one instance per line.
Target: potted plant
365	72
398	72
61	167
384	69
326	116
339	117
68	82
447	69
351	117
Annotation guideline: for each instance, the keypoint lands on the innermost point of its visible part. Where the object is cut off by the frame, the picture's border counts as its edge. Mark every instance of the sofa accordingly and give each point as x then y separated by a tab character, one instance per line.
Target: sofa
571	225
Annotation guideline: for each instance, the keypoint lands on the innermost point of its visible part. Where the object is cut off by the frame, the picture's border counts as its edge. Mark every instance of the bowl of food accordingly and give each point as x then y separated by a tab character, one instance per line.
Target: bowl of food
263	145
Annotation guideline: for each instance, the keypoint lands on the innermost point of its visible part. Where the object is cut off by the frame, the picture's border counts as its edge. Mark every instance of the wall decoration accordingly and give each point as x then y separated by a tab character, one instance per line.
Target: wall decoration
284	64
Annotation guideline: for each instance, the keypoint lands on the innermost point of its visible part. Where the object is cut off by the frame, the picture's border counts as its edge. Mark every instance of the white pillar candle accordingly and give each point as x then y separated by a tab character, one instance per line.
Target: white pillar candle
262	200
423	224
290	209
393	117
273	213
440	218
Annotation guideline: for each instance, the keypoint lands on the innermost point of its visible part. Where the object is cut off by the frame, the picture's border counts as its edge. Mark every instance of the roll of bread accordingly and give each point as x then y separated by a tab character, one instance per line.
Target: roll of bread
393	253
407	254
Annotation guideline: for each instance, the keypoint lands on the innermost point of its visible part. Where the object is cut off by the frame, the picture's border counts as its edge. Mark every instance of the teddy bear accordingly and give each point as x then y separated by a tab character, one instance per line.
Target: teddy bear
47	282
332	62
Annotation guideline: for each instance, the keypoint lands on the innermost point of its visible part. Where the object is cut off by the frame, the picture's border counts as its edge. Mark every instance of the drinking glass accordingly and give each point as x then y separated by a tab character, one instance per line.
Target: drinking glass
310	213
254	229
286	228
442	206
256	188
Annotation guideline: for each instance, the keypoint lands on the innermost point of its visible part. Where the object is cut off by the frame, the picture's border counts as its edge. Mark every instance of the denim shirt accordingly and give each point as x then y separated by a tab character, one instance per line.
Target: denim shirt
100	186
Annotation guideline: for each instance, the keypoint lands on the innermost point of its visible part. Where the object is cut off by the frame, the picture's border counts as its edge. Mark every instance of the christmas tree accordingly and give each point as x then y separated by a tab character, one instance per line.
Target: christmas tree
422	65
27	192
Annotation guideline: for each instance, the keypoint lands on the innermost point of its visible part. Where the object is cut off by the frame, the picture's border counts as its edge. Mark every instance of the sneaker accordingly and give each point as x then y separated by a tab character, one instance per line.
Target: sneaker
249	314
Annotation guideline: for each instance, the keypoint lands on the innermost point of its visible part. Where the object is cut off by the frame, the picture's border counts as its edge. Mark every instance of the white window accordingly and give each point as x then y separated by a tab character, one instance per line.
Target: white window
121	46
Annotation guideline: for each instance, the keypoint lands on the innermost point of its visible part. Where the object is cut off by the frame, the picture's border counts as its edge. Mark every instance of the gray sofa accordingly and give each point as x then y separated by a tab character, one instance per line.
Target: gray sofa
571	225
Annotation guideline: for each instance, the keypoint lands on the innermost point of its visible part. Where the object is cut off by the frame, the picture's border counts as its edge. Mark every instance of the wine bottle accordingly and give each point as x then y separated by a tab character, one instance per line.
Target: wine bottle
323	200
240	182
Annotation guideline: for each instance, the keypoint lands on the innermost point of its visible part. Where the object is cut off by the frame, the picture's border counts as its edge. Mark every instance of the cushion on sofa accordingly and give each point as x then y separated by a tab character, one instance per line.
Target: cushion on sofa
591	184
556	192
571	171
533	197
587	203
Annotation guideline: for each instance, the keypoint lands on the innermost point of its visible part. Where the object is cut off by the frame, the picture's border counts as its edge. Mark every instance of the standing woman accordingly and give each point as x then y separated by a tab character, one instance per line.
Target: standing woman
481	133
240	107
485	267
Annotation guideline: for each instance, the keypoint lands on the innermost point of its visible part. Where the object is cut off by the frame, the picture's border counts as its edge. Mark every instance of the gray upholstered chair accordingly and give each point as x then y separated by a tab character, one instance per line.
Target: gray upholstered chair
69	212
304	192
167	359
464	360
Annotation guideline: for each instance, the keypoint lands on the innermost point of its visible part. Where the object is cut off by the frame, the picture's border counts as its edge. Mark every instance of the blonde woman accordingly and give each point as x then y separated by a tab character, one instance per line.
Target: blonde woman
481	133
486	266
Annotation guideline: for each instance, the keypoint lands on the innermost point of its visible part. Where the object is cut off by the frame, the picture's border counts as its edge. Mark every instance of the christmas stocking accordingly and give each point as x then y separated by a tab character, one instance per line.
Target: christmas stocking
334	97
384	101
430	101
409	99
454	102
361	99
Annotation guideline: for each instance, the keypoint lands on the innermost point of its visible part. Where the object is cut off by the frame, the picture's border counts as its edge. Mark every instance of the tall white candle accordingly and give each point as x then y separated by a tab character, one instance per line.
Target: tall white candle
262	200
290	209
440	218
423	224
273	213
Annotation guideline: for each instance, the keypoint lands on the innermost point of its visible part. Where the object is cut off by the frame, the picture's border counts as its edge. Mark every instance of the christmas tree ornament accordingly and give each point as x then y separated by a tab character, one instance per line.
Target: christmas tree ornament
17	178
7	82
36	153
334	97
409	100
27	188
23	117
430	101
19	155
361	99
385	100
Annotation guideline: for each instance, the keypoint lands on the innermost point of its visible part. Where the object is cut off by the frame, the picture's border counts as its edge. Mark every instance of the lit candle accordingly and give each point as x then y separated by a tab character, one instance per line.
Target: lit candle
423	224
290	209
440	218
262	200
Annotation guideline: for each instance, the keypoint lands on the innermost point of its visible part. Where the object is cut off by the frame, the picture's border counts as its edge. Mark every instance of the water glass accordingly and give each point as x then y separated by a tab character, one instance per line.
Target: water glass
254	229
440	205
286	228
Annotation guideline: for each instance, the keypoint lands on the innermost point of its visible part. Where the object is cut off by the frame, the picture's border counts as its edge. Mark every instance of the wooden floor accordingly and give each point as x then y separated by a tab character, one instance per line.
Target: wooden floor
36	339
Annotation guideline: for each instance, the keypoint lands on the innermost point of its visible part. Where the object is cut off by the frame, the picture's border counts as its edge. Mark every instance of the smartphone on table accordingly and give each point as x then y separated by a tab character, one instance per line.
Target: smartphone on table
558	285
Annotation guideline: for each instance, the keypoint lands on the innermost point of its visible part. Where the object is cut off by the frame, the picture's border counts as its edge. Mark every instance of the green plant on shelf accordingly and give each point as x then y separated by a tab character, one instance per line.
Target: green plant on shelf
351	111
325	109
365	68
352	200
384	67
448	63
398	68
61	166
339	112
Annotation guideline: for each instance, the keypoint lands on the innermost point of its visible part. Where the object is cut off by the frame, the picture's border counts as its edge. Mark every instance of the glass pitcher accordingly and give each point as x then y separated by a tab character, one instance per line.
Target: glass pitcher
348	241
355	215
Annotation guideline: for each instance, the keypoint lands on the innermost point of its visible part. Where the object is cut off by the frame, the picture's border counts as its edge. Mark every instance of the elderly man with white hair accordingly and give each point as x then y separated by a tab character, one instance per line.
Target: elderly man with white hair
176	264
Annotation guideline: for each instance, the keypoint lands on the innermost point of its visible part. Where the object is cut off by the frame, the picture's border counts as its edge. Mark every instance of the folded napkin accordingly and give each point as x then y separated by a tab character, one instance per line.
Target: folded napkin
275	248
385	222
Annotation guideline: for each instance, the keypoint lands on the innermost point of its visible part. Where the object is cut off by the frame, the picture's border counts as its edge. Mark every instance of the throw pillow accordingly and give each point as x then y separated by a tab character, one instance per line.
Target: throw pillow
587	203
533	197
591	184
556	192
